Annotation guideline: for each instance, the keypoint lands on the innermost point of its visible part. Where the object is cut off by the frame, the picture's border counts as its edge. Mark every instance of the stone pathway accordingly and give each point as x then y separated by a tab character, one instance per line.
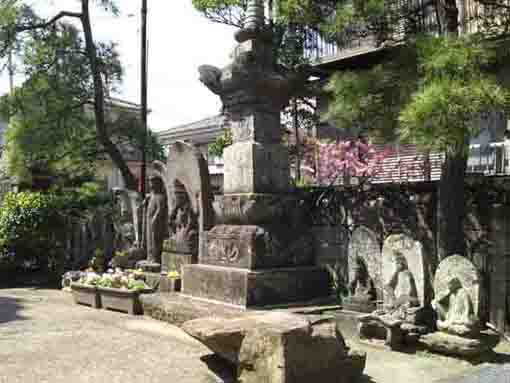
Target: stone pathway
46	338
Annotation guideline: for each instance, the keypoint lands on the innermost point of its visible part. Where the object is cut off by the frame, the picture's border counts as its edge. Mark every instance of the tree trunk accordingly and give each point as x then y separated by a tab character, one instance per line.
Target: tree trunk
99	101
452	206
451	201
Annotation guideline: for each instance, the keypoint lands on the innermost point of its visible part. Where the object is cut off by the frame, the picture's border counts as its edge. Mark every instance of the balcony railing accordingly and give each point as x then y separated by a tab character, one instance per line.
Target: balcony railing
358	39
492	159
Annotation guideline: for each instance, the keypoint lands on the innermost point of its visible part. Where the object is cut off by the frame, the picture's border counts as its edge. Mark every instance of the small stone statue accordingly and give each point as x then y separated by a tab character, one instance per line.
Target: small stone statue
156	212
401	293
361	287
183	225
455	310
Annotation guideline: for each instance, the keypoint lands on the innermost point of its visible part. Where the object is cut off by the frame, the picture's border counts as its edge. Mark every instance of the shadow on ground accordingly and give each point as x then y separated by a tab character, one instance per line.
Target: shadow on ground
9	309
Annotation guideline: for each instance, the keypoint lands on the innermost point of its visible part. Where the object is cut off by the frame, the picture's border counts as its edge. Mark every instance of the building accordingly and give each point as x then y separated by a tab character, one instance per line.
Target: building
200	133
489	152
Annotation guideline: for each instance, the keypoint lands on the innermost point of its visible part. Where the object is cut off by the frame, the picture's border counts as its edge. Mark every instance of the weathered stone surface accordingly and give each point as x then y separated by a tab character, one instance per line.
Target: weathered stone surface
293	356
155	220
177	309
364	244
413	253
174	261
463	269
280	347
252	167
188	188
255	209
245	287
224	337
455	345
257	247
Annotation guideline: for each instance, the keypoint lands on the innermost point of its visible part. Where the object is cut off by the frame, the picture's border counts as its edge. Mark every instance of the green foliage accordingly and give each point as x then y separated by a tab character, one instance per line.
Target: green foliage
217	147
32	223
430	93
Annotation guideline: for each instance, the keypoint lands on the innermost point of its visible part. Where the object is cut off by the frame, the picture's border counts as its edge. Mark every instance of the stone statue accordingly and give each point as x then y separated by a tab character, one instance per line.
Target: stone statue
400	292
183	225
155	220
401	315
454	309
361	287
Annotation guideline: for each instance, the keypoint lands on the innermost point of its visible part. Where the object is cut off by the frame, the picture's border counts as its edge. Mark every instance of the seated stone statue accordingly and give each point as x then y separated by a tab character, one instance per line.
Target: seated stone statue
401	293
361	288
455	311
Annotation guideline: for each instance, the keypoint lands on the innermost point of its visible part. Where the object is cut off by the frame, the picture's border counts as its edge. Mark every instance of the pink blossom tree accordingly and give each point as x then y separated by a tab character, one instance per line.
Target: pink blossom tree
325	162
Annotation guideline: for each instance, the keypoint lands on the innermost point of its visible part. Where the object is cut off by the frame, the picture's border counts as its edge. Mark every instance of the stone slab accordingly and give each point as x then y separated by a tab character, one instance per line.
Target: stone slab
175	308
242	287
457	346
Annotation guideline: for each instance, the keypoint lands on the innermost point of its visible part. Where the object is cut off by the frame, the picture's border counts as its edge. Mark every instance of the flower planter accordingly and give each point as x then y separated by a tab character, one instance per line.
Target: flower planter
86	295
122	300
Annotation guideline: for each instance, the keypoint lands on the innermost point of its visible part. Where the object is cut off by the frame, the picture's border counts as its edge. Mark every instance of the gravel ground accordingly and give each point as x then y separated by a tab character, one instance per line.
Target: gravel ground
44	337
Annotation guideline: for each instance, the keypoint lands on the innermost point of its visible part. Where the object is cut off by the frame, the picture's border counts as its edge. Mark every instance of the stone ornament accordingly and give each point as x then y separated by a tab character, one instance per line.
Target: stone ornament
364	244
412	251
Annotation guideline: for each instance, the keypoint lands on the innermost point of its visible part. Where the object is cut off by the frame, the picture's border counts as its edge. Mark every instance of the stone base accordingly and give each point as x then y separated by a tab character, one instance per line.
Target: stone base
247	288
149	267
174	261
358	305
394	335
176	309
169	285
444	343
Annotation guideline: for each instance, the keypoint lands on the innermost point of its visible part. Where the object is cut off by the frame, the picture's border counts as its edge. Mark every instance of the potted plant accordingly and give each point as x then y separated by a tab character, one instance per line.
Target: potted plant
85	290
121	291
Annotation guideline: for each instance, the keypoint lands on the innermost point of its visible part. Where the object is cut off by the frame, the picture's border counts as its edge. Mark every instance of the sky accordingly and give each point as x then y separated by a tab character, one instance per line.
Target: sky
180	40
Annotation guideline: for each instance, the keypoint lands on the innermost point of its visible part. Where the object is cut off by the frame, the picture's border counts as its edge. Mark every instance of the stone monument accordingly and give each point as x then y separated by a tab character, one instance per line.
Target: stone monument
403	316
186	177
365	271
259	252
155	218
457	298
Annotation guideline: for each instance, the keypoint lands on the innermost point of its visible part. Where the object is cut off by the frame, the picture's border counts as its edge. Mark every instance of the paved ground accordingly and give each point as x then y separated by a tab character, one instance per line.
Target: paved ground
45	338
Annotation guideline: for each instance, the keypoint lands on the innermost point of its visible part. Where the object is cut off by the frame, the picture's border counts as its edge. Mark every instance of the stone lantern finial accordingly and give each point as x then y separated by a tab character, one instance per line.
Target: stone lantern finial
254	15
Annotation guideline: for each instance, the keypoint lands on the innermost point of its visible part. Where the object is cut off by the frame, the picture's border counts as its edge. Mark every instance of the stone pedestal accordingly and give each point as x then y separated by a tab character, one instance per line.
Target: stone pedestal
250	288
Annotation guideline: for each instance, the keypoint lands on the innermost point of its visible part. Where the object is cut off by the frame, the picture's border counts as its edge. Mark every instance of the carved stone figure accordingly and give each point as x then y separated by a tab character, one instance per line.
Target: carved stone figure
156	213
401	316
455	310
183	225
362	287
401	292
457	292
